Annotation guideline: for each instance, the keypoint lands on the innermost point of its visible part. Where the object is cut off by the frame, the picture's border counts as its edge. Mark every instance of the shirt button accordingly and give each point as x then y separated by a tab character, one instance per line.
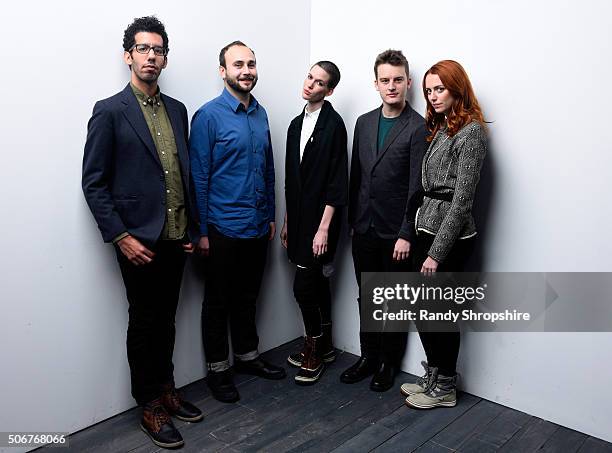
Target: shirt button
163	152
155	114
169	210
166	171
159	133
168	191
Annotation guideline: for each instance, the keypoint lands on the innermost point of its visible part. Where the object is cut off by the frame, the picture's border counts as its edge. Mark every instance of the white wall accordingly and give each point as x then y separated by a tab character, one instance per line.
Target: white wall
541	72
64	314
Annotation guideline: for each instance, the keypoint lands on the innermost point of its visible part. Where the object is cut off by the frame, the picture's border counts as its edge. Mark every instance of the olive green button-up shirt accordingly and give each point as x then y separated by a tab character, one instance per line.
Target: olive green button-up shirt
160	127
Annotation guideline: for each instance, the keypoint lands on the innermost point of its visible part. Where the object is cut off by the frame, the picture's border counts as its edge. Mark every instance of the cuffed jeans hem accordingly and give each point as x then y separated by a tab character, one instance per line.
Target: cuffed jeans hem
218	367
248	356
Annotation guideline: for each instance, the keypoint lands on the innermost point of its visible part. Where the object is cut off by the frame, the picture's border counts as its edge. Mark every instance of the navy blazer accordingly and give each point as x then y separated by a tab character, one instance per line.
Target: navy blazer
123	179
383	181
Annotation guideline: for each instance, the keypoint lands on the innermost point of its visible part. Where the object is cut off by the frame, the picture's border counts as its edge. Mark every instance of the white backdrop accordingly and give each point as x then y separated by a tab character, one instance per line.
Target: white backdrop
64	317
540	71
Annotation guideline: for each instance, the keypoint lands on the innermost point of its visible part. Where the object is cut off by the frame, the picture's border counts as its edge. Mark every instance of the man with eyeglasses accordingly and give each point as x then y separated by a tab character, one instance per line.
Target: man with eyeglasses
233	174
137	185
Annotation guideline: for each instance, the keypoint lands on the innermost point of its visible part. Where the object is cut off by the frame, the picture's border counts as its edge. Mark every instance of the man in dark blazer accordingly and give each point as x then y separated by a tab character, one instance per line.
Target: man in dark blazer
316	188
136	183
388	149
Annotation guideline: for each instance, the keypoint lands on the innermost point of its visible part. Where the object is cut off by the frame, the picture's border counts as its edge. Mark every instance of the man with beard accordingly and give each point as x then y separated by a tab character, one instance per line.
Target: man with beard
233	175
136	182
316	188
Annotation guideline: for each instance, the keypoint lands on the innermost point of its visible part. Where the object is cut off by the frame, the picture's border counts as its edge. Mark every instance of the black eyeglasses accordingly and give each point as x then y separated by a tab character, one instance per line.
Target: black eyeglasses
146	48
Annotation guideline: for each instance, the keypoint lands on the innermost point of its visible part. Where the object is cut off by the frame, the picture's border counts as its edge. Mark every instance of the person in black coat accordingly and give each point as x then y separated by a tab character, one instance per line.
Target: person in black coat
316	188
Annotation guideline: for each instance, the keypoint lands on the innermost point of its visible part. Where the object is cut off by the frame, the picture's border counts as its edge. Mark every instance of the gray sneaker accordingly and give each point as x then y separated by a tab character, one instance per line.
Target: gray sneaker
441	391
420	385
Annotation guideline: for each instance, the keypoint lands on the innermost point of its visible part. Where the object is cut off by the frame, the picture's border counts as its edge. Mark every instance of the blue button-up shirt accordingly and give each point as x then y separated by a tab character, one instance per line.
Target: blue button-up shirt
232	167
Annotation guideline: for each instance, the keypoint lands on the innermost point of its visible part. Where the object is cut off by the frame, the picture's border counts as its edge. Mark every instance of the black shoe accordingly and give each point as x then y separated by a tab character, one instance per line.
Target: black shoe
384	378
159	427
222	386
363	368
259	367
178	407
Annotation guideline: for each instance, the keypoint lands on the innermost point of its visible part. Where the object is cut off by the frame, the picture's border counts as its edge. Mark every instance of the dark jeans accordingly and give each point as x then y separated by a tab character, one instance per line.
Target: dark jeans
152	291
235	270
442	348
371	253
311	291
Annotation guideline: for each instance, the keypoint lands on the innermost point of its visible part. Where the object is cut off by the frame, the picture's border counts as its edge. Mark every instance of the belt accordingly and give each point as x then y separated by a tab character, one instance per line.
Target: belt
416	201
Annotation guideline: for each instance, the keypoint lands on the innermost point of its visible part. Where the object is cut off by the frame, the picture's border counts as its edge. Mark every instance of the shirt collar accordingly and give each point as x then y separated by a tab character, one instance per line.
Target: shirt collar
314	114
144	99
235	103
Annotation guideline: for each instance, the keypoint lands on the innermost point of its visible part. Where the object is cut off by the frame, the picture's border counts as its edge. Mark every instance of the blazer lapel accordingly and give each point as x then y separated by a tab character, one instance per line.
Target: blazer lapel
135	117
371	134
400	124
293	150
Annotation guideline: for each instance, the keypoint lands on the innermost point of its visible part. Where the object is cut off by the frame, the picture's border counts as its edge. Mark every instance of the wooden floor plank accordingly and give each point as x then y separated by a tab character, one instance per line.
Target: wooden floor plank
531	436
359	400
388	403
594	445
470	423
287	419
564	440
433	447
415	427
496	433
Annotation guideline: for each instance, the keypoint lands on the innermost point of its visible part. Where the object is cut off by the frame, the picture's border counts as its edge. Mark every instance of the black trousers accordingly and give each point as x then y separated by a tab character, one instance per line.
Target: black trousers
152	292
442	348
235	270
312	293
372	253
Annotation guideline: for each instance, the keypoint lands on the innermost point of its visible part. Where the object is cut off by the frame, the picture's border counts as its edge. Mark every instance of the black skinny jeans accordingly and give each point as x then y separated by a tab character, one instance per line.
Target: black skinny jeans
372	253
312	293
152	291
442	348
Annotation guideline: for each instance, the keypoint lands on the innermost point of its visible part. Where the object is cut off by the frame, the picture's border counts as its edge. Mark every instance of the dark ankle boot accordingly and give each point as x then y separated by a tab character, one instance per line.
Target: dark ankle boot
178	407
159	427
312	365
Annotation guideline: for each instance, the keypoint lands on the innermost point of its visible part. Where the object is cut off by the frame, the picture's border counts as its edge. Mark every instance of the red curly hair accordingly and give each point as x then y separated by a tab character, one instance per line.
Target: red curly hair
465	108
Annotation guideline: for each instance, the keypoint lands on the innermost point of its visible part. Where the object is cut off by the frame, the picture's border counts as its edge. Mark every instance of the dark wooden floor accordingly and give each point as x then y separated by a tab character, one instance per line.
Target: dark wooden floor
279	416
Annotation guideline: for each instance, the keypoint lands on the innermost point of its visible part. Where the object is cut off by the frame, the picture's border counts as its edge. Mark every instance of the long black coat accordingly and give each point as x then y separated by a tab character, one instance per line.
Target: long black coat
320	179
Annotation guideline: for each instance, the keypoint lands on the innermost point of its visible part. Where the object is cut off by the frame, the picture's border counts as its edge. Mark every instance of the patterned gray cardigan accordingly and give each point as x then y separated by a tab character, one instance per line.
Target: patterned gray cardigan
451	166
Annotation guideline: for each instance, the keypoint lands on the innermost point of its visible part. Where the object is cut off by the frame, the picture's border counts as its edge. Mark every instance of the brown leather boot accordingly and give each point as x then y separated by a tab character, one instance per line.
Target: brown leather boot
159	427
178	407
327	346
312	364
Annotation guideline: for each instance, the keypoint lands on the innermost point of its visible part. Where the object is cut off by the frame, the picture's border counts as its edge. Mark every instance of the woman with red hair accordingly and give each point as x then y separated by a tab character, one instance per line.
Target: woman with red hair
444	222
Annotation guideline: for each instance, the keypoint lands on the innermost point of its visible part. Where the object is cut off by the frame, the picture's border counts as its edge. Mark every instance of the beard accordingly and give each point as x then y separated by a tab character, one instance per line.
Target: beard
234	83
147	76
